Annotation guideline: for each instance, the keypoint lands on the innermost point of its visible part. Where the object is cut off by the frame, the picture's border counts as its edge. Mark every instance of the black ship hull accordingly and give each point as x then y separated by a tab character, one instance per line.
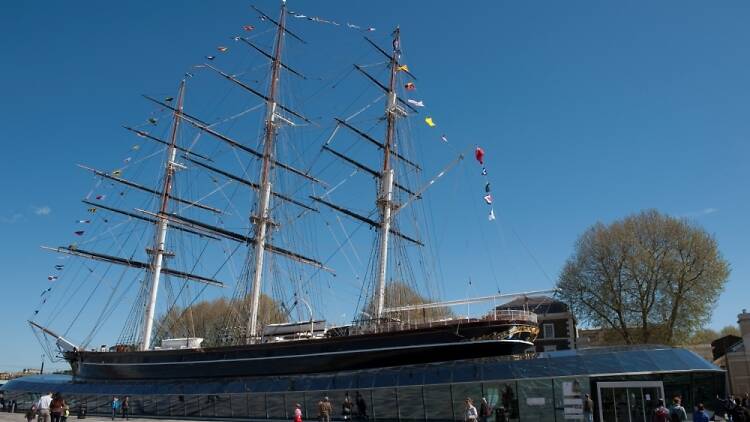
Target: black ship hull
351	352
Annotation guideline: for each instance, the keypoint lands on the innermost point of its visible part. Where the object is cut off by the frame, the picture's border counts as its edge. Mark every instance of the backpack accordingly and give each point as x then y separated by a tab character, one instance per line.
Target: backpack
674	414
661	414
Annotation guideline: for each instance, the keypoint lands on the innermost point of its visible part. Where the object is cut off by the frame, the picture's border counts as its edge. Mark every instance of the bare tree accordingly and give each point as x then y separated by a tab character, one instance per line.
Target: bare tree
400	294
208	319
649	278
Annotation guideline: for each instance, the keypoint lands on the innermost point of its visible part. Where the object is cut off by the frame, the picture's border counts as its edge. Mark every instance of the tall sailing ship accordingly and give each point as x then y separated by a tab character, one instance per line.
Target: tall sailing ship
270	222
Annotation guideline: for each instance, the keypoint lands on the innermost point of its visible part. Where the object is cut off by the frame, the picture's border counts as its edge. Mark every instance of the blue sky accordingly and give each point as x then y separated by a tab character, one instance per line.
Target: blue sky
588	111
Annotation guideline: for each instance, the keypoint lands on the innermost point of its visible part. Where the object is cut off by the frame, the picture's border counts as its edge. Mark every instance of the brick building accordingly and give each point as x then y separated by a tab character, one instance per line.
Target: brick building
557	325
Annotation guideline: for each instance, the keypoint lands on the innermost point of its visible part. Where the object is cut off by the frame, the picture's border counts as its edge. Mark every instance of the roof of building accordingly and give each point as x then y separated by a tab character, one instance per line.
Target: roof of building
537	304
587	362
722	345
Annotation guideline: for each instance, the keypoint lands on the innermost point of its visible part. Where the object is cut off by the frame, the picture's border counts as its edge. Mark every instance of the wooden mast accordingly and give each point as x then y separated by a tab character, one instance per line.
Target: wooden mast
157	252
385	197
262	220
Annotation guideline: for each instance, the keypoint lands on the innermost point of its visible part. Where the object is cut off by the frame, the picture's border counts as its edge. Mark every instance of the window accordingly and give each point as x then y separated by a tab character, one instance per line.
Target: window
549	331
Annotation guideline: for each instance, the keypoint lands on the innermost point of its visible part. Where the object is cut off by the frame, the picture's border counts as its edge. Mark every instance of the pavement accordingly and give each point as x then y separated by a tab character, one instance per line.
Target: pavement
19	417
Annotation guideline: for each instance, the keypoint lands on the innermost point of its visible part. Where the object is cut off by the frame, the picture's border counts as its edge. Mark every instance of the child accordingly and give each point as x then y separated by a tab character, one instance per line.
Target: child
31	413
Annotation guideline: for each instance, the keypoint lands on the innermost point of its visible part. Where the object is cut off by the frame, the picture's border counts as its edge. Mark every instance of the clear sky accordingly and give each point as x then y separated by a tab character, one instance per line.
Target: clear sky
588	111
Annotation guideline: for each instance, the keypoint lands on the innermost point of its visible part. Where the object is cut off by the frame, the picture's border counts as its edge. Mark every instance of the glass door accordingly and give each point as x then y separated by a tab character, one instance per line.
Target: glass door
628	401
635	401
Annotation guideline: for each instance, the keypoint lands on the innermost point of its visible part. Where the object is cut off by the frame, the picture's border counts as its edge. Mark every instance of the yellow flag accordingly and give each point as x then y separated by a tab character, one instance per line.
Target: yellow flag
429	121
403	68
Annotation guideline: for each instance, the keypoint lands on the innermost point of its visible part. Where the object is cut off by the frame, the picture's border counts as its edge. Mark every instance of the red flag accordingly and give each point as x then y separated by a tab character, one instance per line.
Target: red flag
248	28
410	86
479	155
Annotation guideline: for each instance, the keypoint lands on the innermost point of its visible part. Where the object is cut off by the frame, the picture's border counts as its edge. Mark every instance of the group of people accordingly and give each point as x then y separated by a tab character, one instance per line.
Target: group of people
471	414
51	407
734	408
348	407
730	409
121	407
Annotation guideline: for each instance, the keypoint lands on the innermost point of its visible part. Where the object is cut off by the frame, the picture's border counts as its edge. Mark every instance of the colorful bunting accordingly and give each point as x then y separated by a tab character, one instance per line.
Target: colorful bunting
403	67
488	199
92	210
210	57
79	233
127	160
152	120
429	121
484	171
248	28
101	197
82	222
117	173
491	217
416	103
444	138
59	267
410	86
169	99
52	277
222	49
487	187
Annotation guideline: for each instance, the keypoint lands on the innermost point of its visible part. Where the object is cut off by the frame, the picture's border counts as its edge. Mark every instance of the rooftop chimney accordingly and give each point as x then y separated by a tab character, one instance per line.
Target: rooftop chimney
744	320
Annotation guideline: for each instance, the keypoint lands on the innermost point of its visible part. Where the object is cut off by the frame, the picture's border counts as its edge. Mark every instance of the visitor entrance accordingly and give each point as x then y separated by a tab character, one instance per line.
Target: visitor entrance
633	401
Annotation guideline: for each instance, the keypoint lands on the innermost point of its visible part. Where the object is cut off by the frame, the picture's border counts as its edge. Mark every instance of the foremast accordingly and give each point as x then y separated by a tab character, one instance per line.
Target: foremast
262	219
158	251
385	196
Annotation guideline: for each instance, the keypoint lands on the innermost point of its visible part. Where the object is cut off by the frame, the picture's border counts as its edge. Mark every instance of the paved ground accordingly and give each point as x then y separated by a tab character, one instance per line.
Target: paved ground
19	417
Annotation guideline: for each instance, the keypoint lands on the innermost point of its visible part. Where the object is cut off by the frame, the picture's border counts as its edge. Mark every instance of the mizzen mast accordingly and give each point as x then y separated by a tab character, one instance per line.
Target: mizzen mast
158	251
262	219
385	197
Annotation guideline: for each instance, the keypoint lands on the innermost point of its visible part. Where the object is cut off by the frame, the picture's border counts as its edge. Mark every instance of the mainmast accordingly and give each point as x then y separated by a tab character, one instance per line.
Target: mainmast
262	220
158	252
385	197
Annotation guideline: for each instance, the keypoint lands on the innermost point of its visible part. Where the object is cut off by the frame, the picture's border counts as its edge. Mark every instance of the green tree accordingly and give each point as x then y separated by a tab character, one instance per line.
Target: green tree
213	320
648	277
398	293
729	330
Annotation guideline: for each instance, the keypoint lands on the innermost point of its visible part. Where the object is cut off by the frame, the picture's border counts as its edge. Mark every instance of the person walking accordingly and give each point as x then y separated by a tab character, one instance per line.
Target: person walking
677	413
57	407
661	413
588	408
297	412
470	412
115	406
485	410
361	406
42	407
66	413
125	406
346	407
324	410
700	414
